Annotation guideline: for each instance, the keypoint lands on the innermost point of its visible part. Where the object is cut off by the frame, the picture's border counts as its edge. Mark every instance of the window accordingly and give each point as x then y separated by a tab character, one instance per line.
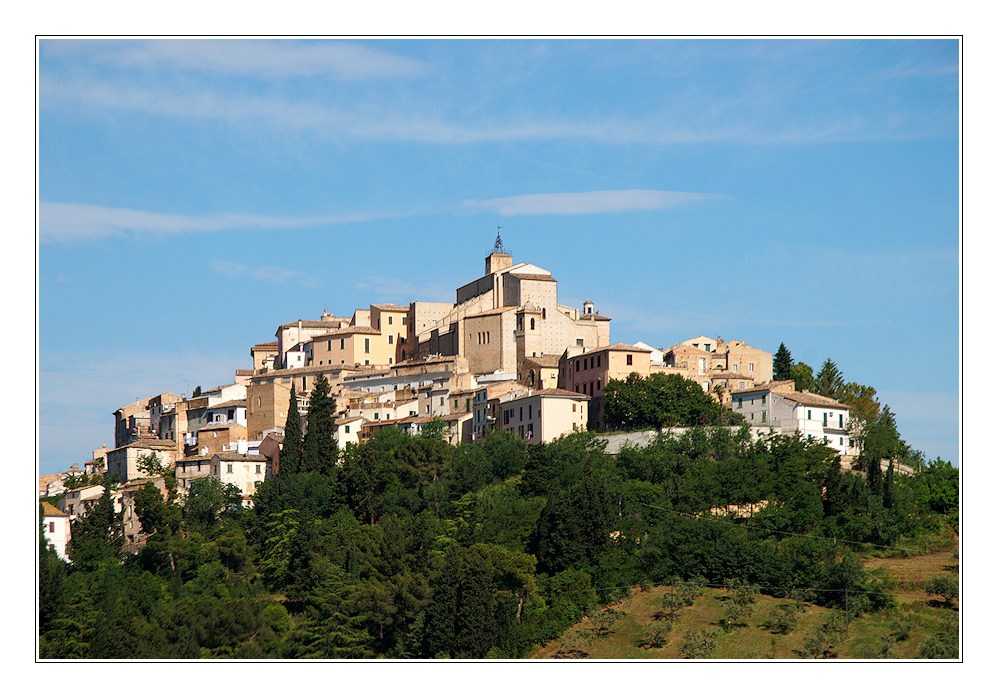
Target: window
598	361
390	318
531	323
530	411
375	416
574	406
840	426
751	368
521	415
367	345
809	414
764	415
590	387
441	402
51	526
739	402
391	339
764	399
576	364
229	468
585	364
578	342
630	360
343	344
346	429
824	419
257	468
329	345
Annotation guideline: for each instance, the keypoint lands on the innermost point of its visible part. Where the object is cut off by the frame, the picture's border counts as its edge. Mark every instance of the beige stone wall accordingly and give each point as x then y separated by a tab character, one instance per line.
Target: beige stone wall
542	418
750	361
218	438
483	336
264	403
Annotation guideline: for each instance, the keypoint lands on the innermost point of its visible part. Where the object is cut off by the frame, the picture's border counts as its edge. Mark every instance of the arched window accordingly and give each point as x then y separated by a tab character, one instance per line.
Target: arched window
531	323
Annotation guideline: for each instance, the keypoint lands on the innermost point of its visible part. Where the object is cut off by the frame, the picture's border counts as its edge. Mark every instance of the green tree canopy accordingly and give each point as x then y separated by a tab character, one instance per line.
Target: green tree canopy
783	364
291	448
660	400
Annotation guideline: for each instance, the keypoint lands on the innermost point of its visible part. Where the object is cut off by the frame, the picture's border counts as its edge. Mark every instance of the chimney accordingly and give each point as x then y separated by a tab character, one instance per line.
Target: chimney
241	446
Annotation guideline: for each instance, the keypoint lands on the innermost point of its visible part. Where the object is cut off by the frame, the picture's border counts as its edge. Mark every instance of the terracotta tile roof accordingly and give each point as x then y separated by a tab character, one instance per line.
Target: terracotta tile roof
155	444
51	510
236	457
593	316
552	392
265	346
533	277
312	323
810	399
230	403
348	330
303	371
494	311
545	361
392	307
617	347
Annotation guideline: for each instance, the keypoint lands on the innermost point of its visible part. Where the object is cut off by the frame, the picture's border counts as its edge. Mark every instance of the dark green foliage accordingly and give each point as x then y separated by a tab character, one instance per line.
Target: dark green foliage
319	444
938	490
207	500
411	548
803	377
782	364
699	643
829	380
291	447
945	586
155	514
660	400
97	536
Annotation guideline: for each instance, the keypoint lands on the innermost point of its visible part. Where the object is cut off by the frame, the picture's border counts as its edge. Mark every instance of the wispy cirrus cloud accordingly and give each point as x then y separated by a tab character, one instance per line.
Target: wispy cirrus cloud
61	222
582	203
266	274
259	59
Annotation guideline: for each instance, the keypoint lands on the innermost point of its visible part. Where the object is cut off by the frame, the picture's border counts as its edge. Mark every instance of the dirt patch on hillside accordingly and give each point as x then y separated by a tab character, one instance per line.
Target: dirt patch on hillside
911	573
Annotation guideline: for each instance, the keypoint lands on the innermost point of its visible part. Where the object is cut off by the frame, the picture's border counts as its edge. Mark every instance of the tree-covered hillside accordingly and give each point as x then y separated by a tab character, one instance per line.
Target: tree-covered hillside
407	547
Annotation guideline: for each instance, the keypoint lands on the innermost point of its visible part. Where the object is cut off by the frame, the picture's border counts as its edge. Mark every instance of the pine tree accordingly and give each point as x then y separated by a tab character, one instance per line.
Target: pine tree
829	380
291	449
783	364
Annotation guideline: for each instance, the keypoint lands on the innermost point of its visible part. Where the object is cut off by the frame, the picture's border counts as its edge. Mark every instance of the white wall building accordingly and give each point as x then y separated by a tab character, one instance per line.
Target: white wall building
788	411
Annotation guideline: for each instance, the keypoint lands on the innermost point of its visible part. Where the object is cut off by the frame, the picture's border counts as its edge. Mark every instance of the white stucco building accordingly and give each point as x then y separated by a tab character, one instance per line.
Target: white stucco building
789	411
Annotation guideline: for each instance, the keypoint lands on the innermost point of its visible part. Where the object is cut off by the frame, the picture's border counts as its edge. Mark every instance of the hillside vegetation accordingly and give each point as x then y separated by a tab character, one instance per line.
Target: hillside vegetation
407	547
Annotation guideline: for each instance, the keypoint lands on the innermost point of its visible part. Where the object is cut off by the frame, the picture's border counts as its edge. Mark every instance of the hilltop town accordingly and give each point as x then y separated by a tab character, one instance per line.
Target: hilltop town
505	355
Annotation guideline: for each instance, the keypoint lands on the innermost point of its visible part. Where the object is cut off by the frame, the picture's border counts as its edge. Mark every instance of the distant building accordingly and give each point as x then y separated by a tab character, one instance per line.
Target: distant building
588	373
55	526
789	411
541	416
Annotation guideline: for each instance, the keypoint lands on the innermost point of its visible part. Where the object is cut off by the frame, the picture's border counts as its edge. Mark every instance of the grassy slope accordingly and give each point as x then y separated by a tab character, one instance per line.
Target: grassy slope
752	640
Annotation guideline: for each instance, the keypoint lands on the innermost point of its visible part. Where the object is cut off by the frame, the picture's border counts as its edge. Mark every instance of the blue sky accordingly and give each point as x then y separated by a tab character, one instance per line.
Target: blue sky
193	195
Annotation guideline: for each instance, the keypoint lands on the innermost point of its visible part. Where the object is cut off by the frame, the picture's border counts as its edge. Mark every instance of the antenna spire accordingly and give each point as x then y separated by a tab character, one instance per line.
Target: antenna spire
498	247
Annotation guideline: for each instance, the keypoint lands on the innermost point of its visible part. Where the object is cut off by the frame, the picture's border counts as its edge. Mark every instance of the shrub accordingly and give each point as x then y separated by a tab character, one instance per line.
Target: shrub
698	644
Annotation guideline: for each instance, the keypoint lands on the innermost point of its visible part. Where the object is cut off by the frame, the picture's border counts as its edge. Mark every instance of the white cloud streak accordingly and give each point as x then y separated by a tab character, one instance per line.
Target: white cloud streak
61	223
255	58
265	274
583	203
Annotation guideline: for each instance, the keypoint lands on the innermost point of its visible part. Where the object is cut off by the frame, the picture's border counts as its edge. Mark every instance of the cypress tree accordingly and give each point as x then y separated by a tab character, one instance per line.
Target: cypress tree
319	446
783	364
292	446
